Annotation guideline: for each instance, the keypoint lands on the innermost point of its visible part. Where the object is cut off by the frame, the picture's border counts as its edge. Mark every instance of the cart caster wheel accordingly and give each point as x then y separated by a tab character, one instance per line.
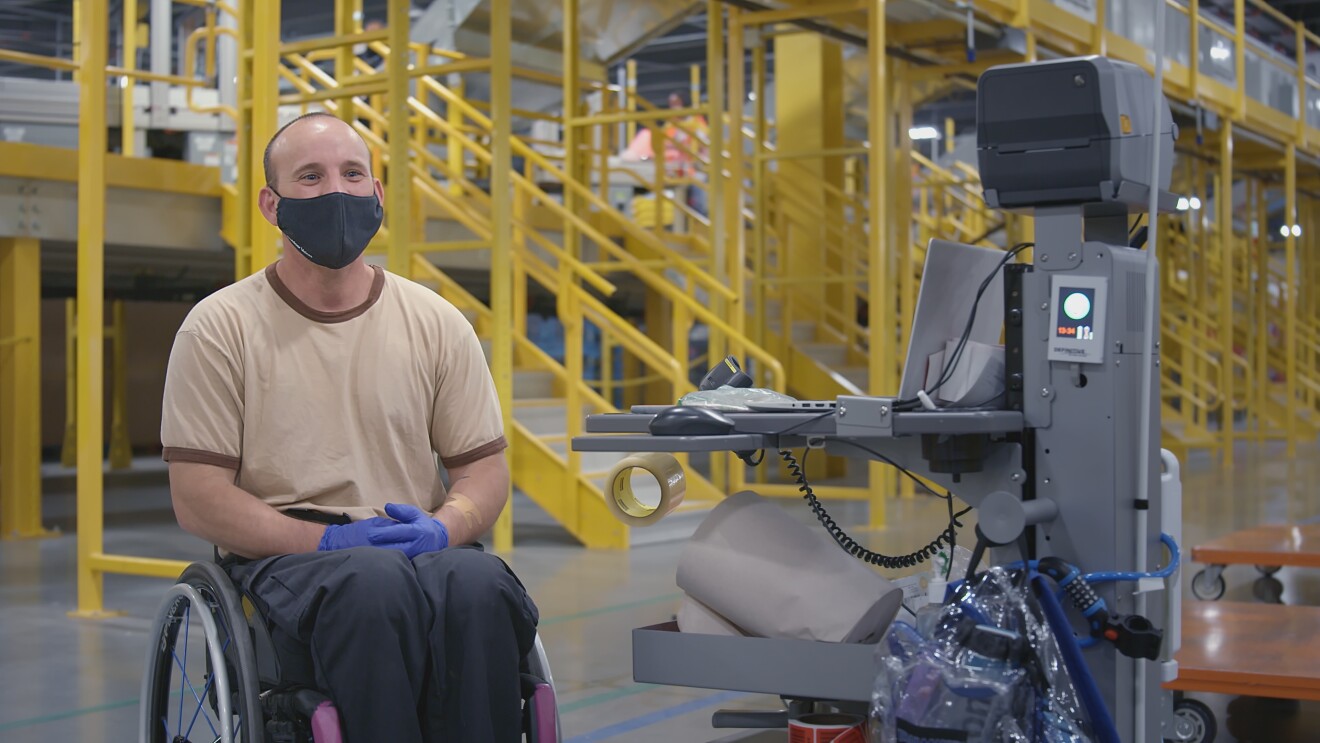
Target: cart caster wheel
1267	590
1268	569
1206	590
1193	722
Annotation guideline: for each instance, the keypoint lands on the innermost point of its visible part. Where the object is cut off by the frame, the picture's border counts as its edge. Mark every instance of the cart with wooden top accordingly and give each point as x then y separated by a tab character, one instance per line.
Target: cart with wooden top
1243	649
1268	548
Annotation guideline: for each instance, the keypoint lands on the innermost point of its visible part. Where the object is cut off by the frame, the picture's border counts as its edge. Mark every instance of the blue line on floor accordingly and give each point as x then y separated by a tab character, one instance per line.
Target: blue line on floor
651	718
66	715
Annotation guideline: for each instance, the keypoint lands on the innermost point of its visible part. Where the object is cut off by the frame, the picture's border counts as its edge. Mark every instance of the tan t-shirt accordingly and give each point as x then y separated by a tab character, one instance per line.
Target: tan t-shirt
336	412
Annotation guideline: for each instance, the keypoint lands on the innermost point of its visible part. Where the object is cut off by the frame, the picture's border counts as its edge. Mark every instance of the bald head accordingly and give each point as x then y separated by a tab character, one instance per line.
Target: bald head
311	132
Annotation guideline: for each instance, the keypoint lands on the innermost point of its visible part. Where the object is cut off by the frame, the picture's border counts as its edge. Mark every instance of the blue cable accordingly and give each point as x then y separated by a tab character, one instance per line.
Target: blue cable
1165	572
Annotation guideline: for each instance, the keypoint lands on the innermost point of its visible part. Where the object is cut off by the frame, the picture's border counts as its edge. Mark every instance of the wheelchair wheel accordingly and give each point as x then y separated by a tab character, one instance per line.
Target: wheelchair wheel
201	680
541	710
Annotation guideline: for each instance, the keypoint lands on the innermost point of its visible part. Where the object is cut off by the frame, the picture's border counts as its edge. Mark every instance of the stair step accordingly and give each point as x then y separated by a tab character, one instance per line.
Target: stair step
590	461
804	331
533	383
544	416
832	355
860	376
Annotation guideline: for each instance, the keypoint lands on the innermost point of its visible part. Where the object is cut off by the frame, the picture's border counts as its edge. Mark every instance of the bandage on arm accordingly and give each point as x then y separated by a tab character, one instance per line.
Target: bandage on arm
477	493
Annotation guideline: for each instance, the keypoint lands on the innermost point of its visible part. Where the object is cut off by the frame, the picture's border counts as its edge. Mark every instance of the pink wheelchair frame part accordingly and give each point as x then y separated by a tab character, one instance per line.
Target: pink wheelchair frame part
325	724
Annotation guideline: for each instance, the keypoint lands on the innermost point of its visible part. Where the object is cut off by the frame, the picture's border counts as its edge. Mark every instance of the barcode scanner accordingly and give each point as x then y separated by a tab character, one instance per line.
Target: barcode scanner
725	374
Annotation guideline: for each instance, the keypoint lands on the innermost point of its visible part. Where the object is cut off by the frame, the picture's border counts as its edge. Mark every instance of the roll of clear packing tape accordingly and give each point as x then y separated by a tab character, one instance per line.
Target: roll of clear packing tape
629	505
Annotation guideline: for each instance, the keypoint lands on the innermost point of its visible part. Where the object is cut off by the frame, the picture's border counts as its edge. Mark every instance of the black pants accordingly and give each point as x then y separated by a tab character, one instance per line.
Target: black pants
428	650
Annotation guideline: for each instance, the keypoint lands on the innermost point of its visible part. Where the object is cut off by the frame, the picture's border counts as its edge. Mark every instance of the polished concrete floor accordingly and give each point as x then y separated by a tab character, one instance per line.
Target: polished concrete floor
74	679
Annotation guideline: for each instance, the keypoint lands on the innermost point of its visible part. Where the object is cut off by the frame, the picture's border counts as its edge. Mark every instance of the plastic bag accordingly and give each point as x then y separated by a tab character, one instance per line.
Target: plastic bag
732	399
988	671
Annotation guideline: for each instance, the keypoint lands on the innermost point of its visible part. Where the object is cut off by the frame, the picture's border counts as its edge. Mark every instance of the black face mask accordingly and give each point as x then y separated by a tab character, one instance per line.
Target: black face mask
332	229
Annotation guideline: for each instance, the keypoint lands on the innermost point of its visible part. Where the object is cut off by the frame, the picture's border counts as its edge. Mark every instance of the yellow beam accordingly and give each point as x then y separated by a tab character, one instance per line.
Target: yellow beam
20	388
40	162
91	299
1239	58
501	220
805	11
265	241
1290	295
339	40
146	566
121	451
39	60
880	302
398	207
908	34
1224	212
568	308
127	124
347	24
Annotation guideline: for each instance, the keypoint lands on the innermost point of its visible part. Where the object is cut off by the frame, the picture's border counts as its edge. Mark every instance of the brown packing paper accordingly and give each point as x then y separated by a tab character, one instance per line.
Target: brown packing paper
752	564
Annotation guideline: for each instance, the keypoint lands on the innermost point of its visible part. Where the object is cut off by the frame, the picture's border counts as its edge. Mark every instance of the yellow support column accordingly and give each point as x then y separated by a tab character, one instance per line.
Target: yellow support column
454	147
501	225
263	86
1290	296
1239	59
127	126
348	20
760	199
91	302
121	449
398	206
881	318
717	189
1224	213
630	98
69	451
568	307
717	192
809	118
246	183
20	388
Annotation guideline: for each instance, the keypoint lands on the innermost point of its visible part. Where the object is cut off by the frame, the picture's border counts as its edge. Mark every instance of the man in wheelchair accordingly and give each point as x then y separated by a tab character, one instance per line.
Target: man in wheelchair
304	408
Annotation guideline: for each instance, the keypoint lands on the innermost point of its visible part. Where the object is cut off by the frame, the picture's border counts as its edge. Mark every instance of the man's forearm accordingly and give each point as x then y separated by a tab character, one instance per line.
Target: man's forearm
235	520
477	494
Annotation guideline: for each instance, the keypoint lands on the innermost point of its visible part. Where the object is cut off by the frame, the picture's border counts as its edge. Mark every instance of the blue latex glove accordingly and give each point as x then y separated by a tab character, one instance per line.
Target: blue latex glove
415	532
356	534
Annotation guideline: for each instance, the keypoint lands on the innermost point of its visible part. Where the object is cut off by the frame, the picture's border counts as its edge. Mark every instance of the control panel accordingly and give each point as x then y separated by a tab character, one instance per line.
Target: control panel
1078	313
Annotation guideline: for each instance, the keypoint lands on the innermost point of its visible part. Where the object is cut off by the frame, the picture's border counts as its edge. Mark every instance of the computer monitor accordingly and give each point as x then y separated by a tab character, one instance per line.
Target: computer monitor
953	273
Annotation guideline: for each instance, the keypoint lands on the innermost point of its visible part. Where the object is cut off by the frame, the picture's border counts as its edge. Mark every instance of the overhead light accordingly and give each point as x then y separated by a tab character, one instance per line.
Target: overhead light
923	132
1297	230
1183	203
1219	52
751	96
1194	202
1283	230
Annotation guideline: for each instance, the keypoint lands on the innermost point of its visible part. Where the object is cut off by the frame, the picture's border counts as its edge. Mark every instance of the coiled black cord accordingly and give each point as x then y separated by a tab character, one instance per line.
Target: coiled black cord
949	536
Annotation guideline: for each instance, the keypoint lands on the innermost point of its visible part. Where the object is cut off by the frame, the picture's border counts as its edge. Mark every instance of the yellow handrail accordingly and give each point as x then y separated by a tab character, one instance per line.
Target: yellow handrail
648	239
189	68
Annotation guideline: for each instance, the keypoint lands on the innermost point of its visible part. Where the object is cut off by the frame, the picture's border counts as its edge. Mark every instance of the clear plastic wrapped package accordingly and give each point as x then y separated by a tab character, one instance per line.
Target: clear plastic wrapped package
988	671
733	399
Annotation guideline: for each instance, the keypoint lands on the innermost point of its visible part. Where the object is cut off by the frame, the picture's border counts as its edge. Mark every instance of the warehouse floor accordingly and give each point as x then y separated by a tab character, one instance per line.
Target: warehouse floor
78	680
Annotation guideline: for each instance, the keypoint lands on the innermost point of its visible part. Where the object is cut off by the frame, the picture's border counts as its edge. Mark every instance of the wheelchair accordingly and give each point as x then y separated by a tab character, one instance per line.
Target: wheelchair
219	682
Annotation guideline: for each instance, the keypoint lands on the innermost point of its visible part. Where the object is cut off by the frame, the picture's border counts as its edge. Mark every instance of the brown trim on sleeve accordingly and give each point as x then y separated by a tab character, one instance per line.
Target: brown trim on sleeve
481	452
315	315
178	454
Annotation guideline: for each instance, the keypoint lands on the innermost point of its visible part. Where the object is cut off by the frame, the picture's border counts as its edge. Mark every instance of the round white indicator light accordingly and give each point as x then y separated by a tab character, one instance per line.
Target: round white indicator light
1076	306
